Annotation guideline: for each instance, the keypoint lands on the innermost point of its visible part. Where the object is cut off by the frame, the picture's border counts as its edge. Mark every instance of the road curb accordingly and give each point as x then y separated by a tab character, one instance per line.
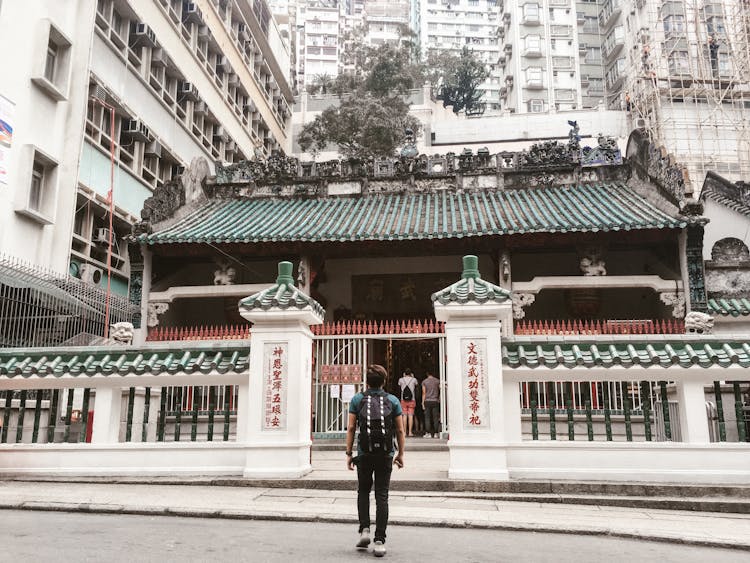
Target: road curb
268	515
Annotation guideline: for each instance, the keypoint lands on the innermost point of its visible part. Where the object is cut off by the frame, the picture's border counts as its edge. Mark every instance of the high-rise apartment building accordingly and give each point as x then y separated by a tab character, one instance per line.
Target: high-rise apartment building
682	70
451	25
121	95
543	61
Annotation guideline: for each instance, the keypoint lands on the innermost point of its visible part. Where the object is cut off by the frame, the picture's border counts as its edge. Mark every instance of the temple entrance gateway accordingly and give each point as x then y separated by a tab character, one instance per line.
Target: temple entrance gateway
340	362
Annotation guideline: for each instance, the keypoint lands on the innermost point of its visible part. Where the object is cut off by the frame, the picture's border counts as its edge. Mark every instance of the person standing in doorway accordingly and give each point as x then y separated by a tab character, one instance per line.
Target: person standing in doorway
408	384
377	414
431	404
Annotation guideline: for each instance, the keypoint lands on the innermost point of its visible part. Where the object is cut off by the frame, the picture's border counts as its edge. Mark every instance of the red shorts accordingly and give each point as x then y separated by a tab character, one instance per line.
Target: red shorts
408	406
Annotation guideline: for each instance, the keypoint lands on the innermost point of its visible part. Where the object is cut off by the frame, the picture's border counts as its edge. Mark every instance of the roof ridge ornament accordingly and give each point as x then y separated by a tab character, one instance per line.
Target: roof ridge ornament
471	288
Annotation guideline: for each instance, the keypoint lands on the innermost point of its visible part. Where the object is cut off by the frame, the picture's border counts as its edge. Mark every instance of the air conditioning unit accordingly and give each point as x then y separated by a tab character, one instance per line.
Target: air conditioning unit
219	131
191	13
204	32
223	64
143	35
249	106
200	107
231	146
101	236
91	274
136	130
188	91
233	79
159	57
242	33
153	149
177	169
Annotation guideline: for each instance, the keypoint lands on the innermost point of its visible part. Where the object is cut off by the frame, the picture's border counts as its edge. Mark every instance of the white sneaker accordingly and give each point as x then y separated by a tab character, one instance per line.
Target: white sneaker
364	539
379	549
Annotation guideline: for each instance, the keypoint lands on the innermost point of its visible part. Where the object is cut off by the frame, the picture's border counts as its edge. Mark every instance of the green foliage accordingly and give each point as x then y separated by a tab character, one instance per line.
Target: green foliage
457	78
372	116
362	127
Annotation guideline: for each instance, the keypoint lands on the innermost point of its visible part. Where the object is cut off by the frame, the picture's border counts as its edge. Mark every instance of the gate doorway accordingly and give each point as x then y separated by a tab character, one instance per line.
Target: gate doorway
340	362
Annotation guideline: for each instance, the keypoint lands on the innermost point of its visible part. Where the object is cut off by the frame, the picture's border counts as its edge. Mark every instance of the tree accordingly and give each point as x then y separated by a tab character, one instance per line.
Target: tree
457	78
373	114
321	84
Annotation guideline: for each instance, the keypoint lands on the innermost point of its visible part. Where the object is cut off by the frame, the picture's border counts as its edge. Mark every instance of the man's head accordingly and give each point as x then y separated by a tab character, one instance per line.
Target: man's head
430	374
376	375
408	372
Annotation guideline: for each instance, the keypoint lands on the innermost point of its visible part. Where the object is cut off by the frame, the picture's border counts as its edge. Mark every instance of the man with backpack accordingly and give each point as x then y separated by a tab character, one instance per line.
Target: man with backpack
377	416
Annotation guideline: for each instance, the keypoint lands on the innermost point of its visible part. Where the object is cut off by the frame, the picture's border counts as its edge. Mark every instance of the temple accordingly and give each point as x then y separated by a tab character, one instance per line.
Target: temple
613	307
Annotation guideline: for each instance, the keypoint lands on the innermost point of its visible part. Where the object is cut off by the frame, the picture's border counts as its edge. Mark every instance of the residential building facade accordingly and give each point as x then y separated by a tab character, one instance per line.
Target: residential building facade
114	100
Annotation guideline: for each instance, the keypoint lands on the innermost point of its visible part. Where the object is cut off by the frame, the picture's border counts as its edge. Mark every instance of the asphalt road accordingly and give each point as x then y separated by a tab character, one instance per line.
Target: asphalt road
60	536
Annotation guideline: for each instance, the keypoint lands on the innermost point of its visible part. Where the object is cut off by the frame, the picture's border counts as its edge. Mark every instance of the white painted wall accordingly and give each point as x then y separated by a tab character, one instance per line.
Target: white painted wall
54	127
724	222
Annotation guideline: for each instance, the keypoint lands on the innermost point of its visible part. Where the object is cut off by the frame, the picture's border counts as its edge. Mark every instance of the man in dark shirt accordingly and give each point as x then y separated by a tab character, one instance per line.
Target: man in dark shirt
378	465
431	404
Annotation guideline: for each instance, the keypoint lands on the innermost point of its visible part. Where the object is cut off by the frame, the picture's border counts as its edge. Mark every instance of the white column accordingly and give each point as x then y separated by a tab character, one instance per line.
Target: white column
283	451
481	419
107	411
275	410
142	332
693	419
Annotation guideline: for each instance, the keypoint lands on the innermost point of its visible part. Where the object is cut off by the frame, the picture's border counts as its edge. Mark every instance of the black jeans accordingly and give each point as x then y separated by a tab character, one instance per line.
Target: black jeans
432	417
380	467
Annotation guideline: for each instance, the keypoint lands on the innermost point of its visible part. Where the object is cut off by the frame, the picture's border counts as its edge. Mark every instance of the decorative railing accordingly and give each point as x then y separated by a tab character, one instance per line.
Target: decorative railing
632	411
594	327
218	332
411	326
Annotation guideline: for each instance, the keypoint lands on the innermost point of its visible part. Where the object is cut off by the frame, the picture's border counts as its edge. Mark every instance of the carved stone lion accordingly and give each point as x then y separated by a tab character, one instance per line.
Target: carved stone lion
192	179
224	274
698	323
592	264
122	332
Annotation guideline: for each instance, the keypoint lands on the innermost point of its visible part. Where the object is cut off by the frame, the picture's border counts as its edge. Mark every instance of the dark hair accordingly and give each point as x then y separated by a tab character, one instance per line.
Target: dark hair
376	375
408	371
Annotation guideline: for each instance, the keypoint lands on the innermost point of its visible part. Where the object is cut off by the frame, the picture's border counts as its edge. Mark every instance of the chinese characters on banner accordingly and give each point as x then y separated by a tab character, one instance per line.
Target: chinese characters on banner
474	382
275	371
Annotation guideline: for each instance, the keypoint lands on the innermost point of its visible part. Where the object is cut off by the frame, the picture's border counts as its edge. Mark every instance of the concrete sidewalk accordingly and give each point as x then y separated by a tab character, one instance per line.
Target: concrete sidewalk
434	509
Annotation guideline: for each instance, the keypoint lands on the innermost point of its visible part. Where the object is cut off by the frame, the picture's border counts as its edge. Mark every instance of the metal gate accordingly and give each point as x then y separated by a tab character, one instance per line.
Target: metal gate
339	370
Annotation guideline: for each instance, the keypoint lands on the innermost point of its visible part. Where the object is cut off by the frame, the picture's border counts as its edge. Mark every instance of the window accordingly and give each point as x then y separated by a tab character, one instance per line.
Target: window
531	13
37	187
50	64
532	44
593	55
679	63
38	204
534	77
674	23
590	24
53	70
715	24
536	106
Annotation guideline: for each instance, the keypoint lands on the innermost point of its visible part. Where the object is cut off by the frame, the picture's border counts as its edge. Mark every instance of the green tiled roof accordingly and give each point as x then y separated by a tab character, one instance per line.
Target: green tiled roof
733	307
471	287
282	295
124	360
685	353
410	216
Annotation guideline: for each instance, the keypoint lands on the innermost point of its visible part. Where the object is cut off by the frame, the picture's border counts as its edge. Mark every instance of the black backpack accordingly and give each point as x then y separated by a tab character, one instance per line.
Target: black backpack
406	394
375	421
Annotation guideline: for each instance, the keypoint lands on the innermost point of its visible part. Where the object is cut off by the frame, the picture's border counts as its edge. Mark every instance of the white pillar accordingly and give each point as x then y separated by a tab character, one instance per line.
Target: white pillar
275	410
693	420
477	404
107	410
142	332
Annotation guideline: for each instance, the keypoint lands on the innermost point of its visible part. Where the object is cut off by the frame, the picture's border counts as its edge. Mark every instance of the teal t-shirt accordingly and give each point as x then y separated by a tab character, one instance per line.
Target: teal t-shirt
395	411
